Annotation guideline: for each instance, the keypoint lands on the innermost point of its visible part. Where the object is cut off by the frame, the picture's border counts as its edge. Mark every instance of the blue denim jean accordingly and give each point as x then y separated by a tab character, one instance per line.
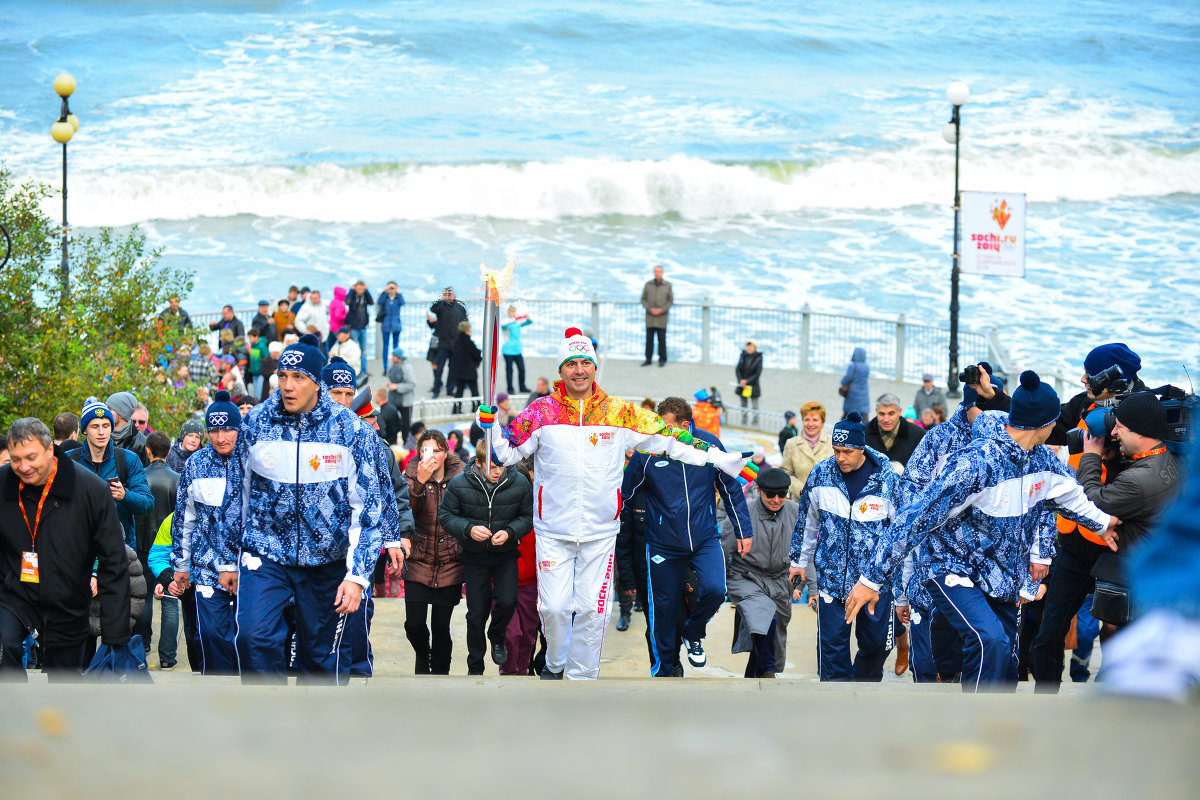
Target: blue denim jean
391	340
168	630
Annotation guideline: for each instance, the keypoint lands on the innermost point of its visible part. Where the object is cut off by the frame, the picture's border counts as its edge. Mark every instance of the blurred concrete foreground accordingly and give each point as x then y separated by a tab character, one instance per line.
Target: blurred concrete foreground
711	734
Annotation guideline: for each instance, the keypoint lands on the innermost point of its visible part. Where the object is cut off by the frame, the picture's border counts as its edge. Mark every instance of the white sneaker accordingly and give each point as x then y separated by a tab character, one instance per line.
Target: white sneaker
1156	657
695	652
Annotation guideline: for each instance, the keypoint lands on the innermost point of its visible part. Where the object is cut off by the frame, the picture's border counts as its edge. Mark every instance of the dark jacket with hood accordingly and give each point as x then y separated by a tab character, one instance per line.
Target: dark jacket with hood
79	528
465	358
471	499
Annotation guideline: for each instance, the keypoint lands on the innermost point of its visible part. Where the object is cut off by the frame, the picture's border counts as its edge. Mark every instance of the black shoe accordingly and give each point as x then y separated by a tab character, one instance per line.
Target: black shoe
547	675
499	653
695	652
166	666
767	675
473	672
637	607
646	363
623	622
662	363
524	390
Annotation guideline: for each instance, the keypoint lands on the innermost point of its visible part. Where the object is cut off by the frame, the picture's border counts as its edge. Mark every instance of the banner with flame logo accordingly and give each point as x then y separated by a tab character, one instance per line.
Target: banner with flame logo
993	234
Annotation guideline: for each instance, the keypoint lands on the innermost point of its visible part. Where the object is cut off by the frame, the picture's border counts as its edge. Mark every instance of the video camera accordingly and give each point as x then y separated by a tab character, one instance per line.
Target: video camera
1101	421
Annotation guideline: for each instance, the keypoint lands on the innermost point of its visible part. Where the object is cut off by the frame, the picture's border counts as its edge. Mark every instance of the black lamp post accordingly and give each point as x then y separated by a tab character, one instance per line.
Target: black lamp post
957	94
62	131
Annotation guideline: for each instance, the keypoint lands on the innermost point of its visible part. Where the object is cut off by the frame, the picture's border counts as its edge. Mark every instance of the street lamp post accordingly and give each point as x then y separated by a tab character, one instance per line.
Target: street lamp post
61	132
957	94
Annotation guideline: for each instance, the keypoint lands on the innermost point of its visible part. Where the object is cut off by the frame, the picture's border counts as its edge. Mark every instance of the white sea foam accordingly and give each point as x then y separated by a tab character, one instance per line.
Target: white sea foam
692	188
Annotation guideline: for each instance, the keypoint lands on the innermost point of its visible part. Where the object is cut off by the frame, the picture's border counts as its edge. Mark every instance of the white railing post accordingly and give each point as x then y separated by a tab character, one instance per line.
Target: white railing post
706	331
805	333
900	348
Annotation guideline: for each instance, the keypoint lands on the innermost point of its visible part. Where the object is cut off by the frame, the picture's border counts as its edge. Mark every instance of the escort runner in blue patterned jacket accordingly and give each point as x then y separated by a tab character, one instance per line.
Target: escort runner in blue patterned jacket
310	526
980	515
936	650
847	503
202	550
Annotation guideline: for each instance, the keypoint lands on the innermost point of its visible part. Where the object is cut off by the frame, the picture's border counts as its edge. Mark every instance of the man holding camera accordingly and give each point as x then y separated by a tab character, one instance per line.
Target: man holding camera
1135	495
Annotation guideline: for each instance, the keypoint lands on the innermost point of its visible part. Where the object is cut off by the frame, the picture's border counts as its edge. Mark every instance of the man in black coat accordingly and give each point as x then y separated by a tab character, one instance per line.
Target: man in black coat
443	317
488	511
890	433
56	520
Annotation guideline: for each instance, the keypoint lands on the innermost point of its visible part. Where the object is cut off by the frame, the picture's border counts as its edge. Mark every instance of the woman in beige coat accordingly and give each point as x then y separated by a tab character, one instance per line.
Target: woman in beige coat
803	452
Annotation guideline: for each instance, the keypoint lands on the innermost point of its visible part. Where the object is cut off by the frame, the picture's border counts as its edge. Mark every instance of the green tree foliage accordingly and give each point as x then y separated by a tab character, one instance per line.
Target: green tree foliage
105	338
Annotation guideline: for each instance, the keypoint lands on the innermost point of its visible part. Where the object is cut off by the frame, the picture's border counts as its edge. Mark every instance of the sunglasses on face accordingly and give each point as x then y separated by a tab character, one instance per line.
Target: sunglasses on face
773	494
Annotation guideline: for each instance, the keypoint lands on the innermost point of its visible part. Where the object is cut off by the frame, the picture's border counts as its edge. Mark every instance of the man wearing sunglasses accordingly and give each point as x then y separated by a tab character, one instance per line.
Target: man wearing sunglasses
758	582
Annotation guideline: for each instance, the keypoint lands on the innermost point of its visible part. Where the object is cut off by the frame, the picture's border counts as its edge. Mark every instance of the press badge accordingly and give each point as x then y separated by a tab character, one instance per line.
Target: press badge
29	568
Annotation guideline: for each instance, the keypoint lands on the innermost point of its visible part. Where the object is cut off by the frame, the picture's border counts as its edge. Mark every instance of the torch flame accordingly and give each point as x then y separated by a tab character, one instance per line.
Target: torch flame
497	282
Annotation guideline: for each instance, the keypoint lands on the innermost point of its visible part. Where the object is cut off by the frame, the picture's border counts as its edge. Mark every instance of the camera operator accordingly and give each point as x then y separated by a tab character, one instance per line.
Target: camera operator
1103	386
1135	495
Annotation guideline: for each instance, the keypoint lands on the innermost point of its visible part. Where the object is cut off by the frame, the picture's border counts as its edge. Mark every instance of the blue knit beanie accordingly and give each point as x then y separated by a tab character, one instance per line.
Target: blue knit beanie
1034	404
222	413
338	374
304	357
1117	353
94	409
850	432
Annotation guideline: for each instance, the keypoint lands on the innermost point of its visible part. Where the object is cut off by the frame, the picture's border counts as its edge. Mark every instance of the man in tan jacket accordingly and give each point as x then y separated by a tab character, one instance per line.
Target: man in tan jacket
657	299
803	452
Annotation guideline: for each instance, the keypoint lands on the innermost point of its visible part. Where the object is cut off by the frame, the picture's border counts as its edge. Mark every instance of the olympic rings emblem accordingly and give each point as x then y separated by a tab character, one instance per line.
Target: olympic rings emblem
217	418
578	347
291	358
341	376
840	436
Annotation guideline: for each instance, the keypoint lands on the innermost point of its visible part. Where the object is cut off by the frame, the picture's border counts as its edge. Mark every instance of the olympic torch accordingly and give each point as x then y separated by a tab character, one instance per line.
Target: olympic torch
491	333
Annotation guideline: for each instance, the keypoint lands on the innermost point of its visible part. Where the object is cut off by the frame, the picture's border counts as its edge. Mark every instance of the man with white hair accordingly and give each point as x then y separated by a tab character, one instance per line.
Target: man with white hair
890	433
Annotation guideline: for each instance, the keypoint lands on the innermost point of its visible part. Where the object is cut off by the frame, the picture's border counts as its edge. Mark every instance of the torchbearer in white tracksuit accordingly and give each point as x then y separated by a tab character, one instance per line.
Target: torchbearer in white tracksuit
578	436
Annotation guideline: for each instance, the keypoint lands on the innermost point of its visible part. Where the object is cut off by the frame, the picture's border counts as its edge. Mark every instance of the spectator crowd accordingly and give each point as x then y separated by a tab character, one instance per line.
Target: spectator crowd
294	495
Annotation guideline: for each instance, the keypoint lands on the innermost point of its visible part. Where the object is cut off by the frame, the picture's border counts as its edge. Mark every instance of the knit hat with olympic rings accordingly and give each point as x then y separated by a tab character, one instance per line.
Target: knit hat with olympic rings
575	345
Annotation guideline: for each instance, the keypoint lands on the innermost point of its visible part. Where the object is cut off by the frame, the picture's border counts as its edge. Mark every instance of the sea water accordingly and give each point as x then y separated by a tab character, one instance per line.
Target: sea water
767	154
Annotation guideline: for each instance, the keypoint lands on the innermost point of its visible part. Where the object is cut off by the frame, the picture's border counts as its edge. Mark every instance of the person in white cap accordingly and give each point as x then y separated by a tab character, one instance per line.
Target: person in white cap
578	436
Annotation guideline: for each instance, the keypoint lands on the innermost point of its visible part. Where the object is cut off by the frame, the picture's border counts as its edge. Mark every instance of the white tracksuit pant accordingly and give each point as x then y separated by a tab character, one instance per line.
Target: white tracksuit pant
575	578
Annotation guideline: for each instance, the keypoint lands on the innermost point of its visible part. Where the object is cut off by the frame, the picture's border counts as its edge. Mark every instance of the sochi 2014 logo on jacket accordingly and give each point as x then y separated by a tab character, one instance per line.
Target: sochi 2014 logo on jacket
331	461
602	439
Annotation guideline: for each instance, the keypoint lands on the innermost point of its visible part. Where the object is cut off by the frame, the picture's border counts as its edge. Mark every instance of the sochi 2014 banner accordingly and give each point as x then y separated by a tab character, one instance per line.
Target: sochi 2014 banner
993	234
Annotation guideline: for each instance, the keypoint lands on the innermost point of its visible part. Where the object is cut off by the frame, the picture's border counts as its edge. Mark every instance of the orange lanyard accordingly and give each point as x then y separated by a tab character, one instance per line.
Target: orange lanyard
1162	448
37	519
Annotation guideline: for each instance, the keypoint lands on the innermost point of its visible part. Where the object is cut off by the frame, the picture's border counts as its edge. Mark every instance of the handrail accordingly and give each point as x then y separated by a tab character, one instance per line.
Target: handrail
706	332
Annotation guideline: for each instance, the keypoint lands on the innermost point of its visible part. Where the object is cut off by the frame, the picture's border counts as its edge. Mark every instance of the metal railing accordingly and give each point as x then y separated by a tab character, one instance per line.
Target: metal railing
709	333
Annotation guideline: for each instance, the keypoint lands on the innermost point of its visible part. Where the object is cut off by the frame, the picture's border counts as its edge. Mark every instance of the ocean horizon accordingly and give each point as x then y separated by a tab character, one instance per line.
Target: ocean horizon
766	154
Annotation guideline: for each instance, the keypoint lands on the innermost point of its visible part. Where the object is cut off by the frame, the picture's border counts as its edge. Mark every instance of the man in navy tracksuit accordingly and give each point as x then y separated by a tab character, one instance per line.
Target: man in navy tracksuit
201	552
681	531
310	527
845	507
982	519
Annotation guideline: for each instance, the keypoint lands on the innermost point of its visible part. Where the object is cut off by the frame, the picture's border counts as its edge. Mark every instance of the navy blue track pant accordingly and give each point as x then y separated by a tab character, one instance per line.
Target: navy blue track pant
666	572
988	629
216	629
875	634
323	652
